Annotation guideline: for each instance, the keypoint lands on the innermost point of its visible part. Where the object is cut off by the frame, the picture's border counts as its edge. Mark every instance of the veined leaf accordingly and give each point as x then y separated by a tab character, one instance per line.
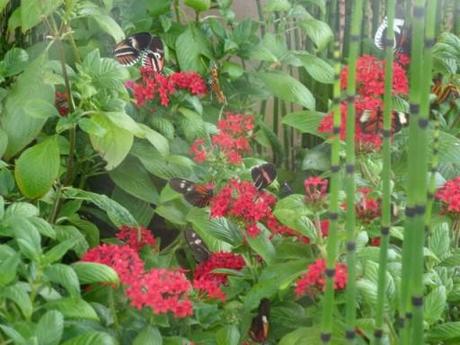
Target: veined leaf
50	328
91	338
91	272
304	121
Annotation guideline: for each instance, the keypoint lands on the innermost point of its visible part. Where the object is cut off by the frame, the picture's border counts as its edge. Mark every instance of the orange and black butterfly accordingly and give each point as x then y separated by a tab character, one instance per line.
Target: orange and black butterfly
445	92
199	249
141	47
197	194
263	175
260	323
372	123
215	85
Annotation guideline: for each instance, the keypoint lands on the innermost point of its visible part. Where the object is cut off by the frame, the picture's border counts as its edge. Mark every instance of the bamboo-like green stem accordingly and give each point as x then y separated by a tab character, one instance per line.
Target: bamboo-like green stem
457	18
350	189
414	231
433	169
386	176
328	310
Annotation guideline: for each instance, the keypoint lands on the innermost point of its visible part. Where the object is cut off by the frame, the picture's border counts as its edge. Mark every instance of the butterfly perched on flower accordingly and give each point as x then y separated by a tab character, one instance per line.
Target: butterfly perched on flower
260	323
199	249
200	194
215	85
141	47
401	35
372	123
445	91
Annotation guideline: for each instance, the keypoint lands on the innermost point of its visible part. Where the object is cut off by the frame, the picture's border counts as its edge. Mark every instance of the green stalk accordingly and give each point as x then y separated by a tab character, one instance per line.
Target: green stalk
350	189
457	19
433	170
328	310
386	173
414	234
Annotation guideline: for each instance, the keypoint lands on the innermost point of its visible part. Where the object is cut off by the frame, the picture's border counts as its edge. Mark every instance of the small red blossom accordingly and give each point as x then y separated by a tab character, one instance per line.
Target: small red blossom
198	150
61	102
367	209
315	189
163	291
449	195
136	238
210	282
375	241
315	279
324	227
123	259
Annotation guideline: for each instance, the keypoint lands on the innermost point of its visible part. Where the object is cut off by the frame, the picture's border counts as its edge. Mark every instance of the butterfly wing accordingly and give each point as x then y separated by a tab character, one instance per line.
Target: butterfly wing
181	185
263	175
215	85
200	195
260	324
129	51
199	249
153	55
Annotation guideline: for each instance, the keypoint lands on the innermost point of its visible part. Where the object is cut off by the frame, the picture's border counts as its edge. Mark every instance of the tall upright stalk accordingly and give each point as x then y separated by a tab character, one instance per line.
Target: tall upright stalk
386	172
350	189
328	310
411	301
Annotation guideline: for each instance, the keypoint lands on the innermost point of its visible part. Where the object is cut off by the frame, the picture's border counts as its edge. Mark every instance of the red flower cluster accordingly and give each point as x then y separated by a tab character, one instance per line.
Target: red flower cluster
449	195
367	208
314	279
123	259
375	241
315	190
61	102
136	238
324	227
153	85
370	78
205	279
232	139
162	290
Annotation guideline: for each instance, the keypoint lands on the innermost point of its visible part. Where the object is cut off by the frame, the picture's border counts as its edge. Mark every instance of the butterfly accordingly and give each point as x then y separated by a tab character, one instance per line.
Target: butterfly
215	85
372	123
199	249
444	92
260	324
286	190
263	175
401	35
197	194
141	47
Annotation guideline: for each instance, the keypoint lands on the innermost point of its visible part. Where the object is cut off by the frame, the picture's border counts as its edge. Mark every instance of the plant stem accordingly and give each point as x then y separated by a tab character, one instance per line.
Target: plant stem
177	11
328	310
386	178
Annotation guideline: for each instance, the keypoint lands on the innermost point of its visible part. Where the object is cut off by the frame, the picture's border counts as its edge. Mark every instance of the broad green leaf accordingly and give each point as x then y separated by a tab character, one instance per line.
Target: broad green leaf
134	179
33	11
318	31
22	209
302	336
262	245
439	241
43	227
50	328
117	213
110	26
198	5
114	145
91	338
73	308
58	251
15	61
148	336
434	304
191	46
304	121
277	5
14	335
27	236
91	272
3	4
8	269
141	210
20	127
3	142
68	232
89	230
292	212
65	276
40	109
444	332
34	178
156	139
287	88
18	294
319	69
228	335
164	126
233	70
271	48
317	158
91	127
451	261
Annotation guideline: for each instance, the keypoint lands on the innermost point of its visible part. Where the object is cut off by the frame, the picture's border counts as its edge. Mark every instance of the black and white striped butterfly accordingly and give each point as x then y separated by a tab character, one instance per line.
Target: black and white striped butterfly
401	35
141	47
199	249
263	175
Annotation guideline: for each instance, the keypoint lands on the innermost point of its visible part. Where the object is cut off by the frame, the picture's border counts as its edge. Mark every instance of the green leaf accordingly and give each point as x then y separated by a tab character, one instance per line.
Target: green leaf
91	272
34	178
3	142
33	12
318	31
27	236
73	308
91	127
301	336
58	251
15	61
40	109
114	145
444	332
198	5
191	45
434	304
88	229
65	276
18	294
262	245
8	268
3	4
304	121
91	338
14	335
117	213
43	227
228	335
50	328
133	178
149	336
292	212
110	26
287	88
68	232
439	242
277	5
319	69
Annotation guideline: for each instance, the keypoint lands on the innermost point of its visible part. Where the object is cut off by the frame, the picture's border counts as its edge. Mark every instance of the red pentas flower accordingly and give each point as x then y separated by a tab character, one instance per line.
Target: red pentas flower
61	101
211	282
315	279
136	238
324	227
315	189
163	291
367	208
123	259
198	150
449	195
